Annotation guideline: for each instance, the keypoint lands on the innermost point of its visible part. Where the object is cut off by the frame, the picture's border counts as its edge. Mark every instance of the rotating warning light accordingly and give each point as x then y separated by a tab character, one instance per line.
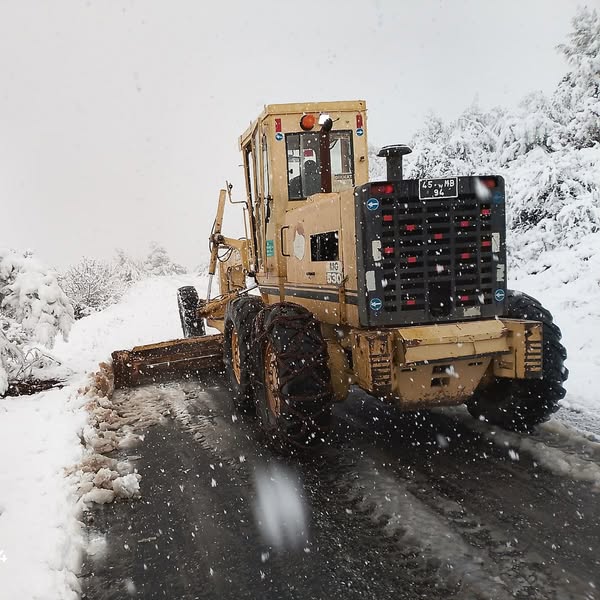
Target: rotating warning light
307	122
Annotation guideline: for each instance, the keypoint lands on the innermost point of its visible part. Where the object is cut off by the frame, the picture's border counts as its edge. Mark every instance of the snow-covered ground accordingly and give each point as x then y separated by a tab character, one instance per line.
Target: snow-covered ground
567	282
41	537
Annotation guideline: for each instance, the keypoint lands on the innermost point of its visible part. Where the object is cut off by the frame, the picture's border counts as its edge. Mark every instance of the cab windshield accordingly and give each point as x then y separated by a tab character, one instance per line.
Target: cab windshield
304	163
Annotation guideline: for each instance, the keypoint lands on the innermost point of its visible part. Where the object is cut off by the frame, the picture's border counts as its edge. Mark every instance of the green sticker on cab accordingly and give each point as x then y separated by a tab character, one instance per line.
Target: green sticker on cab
270	248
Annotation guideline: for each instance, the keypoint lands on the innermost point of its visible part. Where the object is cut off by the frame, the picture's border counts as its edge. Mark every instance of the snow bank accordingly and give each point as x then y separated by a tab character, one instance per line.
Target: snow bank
41	538
47	477
147	313
567	281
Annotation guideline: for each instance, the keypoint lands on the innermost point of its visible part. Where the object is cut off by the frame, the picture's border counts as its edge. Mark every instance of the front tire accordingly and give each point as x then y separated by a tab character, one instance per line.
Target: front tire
188	303
293	390
521	404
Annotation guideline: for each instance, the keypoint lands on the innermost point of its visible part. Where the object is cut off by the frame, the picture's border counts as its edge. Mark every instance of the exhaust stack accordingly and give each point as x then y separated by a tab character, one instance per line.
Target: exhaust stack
393	158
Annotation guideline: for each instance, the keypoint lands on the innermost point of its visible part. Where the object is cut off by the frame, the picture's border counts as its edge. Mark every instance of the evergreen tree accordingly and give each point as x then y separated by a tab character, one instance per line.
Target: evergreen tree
33	310
159	263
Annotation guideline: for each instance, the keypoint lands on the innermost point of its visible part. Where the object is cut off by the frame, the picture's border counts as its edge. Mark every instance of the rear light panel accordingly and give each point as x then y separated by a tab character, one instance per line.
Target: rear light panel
442	259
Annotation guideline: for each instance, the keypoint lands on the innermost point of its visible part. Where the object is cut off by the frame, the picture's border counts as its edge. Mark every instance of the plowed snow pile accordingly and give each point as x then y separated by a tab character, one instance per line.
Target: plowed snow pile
46	474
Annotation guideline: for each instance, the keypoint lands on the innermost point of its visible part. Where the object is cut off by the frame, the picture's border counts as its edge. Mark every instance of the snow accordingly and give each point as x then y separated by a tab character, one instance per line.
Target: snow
44	468
279	510
548	152
147	313
40	534
567	281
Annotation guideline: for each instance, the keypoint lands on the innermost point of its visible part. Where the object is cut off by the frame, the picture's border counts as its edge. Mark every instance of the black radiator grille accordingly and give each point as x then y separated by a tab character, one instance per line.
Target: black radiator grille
438	257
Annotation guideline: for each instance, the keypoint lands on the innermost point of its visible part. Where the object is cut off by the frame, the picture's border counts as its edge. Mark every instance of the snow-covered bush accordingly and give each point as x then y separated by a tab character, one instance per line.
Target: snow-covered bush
159	263
127	269
33	310
92	285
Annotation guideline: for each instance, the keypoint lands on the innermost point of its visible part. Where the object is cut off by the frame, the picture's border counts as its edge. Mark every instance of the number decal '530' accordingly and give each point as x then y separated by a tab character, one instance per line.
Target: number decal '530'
334	274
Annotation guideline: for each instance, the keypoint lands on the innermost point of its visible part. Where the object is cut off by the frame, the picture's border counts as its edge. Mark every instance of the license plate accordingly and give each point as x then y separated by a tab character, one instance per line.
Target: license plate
438	188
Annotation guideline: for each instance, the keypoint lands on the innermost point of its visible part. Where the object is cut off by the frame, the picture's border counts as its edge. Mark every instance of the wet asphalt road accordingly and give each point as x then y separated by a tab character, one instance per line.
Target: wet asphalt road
397	506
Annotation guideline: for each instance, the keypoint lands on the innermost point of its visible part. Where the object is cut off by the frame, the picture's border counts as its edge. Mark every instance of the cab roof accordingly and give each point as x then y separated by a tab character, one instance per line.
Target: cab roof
301	108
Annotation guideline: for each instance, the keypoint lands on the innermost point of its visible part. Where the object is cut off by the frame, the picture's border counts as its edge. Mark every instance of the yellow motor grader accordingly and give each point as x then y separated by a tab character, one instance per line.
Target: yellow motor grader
396	286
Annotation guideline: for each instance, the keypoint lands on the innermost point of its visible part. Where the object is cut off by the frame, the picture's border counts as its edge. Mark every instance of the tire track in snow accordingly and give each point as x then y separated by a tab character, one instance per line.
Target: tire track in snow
486	498
435	537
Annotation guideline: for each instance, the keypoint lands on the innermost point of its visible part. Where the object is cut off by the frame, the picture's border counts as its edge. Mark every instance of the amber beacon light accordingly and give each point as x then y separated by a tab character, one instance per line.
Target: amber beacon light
307	122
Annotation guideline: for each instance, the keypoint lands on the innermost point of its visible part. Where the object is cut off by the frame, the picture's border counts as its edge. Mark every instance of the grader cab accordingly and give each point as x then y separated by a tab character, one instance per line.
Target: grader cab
397	286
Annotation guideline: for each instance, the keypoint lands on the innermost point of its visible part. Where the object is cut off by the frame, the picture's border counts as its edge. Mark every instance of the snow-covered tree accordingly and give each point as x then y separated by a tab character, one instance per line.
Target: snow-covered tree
547	149
577	100
92	285
466	146
530	126
159	263
126	268
33	310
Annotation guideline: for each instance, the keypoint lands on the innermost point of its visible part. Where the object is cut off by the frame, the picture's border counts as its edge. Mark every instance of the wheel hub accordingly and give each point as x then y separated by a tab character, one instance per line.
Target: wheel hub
235	356
272	380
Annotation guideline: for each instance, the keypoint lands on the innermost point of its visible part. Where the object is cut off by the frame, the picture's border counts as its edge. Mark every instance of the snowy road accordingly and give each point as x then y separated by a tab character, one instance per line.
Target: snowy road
429	505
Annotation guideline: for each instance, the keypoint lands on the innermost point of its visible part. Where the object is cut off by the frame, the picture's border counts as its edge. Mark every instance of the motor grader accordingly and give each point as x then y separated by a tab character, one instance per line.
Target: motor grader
397	286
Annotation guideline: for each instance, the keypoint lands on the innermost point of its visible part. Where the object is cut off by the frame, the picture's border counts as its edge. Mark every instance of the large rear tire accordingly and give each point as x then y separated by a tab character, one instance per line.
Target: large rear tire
293	389
188	303
239	351
521	404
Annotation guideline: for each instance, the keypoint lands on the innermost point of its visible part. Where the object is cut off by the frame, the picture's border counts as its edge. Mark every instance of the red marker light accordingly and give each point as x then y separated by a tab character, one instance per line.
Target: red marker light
412	259
411	302
382	188
438	236
388	218
465	255
410	227
486	243
489	182
486	212
465	223
463	298
388	250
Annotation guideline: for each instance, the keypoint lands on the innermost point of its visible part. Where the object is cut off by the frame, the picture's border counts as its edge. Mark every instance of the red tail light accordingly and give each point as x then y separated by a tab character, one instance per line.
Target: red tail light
382	188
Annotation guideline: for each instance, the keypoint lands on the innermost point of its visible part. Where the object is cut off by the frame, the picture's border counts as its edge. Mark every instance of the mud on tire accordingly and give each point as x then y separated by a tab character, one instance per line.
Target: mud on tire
239	349
521	404
188	303
293	383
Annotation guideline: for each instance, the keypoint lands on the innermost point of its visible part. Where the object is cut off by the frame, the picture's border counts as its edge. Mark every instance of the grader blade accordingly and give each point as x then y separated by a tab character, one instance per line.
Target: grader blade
166	360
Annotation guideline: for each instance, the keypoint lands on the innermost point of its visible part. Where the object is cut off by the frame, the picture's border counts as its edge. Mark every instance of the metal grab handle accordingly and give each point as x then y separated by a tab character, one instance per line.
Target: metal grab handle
281	240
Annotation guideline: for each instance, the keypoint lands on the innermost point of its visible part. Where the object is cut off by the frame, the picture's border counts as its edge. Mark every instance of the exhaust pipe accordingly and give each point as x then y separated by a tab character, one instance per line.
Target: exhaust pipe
393	158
